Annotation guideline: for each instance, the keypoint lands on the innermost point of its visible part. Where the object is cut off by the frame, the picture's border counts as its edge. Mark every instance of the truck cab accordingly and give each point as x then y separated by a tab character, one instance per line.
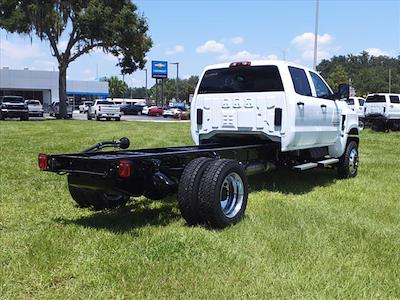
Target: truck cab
275	101
382	111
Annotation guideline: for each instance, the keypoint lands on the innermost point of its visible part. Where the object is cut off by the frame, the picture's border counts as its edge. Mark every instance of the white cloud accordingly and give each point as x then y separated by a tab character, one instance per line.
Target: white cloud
175	50
377	52
305	44
246	55
211	47
237	40
62	45
17	53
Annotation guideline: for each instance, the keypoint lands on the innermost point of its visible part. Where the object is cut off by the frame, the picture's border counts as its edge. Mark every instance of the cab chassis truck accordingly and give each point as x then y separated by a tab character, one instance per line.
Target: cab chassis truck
246	118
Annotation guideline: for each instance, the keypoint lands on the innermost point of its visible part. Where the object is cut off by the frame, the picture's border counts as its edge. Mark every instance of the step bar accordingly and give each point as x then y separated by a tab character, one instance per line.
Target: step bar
321	164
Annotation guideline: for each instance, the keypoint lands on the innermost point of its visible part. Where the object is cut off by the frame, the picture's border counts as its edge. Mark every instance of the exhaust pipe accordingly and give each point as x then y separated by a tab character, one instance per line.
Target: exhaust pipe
257	167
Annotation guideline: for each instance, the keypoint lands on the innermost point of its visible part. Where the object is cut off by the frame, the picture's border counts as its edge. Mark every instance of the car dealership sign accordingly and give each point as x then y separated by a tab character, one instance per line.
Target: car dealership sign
159	69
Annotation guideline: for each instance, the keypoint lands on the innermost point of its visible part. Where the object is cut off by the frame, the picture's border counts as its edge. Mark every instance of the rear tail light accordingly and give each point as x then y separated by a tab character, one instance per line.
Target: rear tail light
43	161
124	168
99	108
240	64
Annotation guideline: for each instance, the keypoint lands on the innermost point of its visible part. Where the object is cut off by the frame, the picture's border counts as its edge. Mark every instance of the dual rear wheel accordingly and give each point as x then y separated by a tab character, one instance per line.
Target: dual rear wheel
213	192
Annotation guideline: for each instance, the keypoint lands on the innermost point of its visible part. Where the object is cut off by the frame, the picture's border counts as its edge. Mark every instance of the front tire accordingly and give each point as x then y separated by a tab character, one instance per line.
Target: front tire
188	190
348	162
223	193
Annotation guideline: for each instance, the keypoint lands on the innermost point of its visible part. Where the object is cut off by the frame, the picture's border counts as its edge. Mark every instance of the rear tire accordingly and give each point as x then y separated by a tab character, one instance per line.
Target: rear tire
223	193
95	199
117	119
348	162
89	117
188	190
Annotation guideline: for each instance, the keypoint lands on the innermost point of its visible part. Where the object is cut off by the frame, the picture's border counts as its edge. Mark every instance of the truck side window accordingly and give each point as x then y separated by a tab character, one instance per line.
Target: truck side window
300	81
394	99
320	87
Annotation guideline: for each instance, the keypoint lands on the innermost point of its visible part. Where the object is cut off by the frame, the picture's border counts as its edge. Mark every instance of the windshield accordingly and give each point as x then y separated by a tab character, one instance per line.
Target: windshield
13	99
241	80
376	98
105	103
33	102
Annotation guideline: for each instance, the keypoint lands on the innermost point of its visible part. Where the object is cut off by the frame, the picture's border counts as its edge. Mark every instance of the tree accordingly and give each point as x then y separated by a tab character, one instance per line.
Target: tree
369	74
116	87
337	76
186	87
110	25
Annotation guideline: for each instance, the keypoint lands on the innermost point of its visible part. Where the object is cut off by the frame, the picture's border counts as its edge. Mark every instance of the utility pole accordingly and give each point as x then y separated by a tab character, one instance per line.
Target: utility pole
316	34
177	78
145	91
390	80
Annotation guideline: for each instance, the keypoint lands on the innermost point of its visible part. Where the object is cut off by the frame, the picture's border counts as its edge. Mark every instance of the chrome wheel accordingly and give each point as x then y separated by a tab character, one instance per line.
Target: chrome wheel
353	161
231	195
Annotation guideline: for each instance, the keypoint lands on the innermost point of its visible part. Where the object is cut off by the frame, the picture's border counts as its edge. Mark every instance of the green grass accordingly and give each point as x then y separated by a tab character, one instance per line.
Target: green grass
304	235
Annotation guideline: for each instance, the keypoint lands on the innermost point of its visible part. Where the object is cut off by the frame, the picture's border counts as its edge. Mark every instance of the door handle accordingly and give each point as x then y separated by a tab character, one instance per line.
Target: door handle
323	106
300	103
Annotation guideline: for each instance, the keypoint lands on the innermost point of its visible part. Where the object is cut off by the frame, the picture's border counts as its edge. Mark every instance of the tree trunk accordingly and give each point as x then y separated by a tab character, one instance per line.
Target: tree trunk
62	88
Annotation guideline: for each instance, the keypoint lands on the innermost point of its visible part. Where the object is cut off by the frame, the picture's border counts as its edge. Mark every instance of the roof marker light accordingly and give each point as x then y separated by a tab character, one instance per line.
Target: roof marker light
240	64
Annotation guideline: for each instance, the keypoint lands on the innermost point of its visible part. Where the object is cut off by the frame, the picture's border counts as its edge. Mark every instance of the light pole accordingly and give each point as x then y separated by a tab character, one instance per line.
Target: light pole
177	77
145	91
316	34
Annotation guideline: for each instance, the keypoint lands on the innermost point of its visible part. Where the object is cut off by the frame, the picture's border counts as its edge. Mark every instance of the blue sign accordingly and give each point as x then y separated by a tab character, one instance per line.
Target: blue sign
159	69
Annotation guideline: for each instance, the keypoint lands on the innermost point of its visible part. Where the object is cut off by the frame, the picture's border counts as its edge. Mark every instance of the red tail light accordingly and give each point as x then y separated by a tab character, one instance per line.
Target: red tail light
124	168
240	64
43	161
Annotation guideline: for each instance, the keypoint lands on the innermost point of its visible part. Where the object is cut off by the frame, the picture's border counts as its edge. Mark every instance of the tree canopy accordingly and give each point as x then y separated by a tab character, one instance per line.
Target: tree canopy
114	26
116	87
368	74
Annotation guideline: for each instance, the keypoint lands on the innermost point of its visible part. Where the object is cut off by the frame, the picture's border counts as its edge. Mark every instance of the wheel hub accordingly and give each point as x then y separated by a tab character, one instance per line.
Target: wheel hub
232	194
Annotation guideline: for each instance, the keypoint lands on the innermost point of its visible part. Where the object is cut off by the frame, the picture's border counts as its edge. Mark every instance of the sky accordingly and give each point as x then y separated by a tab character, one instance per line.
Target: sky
198	33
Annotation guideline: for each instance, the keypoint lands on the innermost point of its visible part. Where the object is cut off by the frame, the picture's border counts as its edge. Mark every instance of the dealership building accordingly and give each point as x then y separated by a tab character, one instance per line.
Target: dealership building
43	86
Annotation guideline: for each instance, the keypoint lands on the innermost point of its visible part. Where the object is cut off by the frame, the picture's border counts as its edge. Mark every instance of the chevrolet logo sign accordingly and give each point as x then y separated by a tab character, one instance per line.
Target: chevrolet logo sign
159	66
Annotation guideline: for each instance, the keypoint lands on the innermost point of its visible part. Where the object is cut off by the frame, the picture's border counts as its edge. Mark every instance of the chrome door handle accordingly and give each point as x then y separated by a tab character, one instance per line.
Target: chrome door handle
300	103
323	106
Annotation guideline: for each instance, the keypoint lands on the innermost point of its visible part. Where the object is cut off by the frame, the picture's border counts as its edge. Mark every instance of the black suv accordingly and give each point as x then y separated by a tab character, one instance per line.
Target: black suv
13	107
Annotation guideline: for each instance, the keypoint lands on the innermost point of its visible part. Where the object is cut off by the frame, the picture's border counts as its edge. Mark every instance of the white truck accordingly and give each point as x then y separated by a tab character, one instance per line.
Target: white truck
357	104
104	109
382	111
247	118
84	107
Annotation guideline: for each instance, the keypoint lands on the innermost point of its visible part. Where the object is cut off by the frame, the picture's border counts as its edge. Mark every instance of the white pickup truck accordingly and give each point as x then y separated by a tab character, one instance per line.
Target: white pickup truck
104	109
382	111
246	118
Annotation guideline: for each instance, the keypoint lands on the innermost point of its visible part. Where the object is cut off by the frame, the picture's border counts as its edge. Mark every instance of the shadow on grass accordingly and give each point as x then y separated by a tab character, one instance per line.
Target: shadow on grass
140	213
288	182
145	212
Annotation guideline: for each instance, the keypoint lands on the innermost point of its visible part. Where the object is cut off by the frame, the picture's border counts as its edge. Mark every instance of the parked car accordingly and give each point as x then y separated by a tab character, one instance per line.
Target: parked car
13	107
83	108
104	109
382	111
357	105
155	111
145	110
132	109
171	112
54	110
183	115
35	108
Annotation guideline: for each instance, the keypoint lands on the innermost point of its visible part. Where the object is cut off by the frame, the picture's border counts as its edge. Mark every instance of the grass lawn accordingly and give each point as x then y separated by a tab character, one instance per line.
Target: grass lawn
304	235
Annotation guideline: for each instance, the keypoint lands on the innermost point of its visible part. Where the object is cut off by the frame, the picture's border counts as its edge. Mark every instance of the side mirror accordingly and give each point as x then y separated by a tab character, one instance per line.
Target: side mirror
343	91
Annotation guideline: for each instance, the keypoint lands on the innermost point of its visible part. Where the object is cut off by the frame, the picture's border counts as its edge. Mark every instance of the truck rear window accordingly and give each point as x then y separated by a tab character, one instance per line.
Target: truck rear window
376	98
13	99
241	80
105	102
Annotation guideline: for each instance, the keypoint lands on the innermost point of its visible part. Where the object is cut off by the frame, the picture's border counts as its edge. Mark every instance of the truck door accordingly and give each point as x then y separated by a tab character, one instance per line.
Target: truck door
394	106
307	112
329	117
